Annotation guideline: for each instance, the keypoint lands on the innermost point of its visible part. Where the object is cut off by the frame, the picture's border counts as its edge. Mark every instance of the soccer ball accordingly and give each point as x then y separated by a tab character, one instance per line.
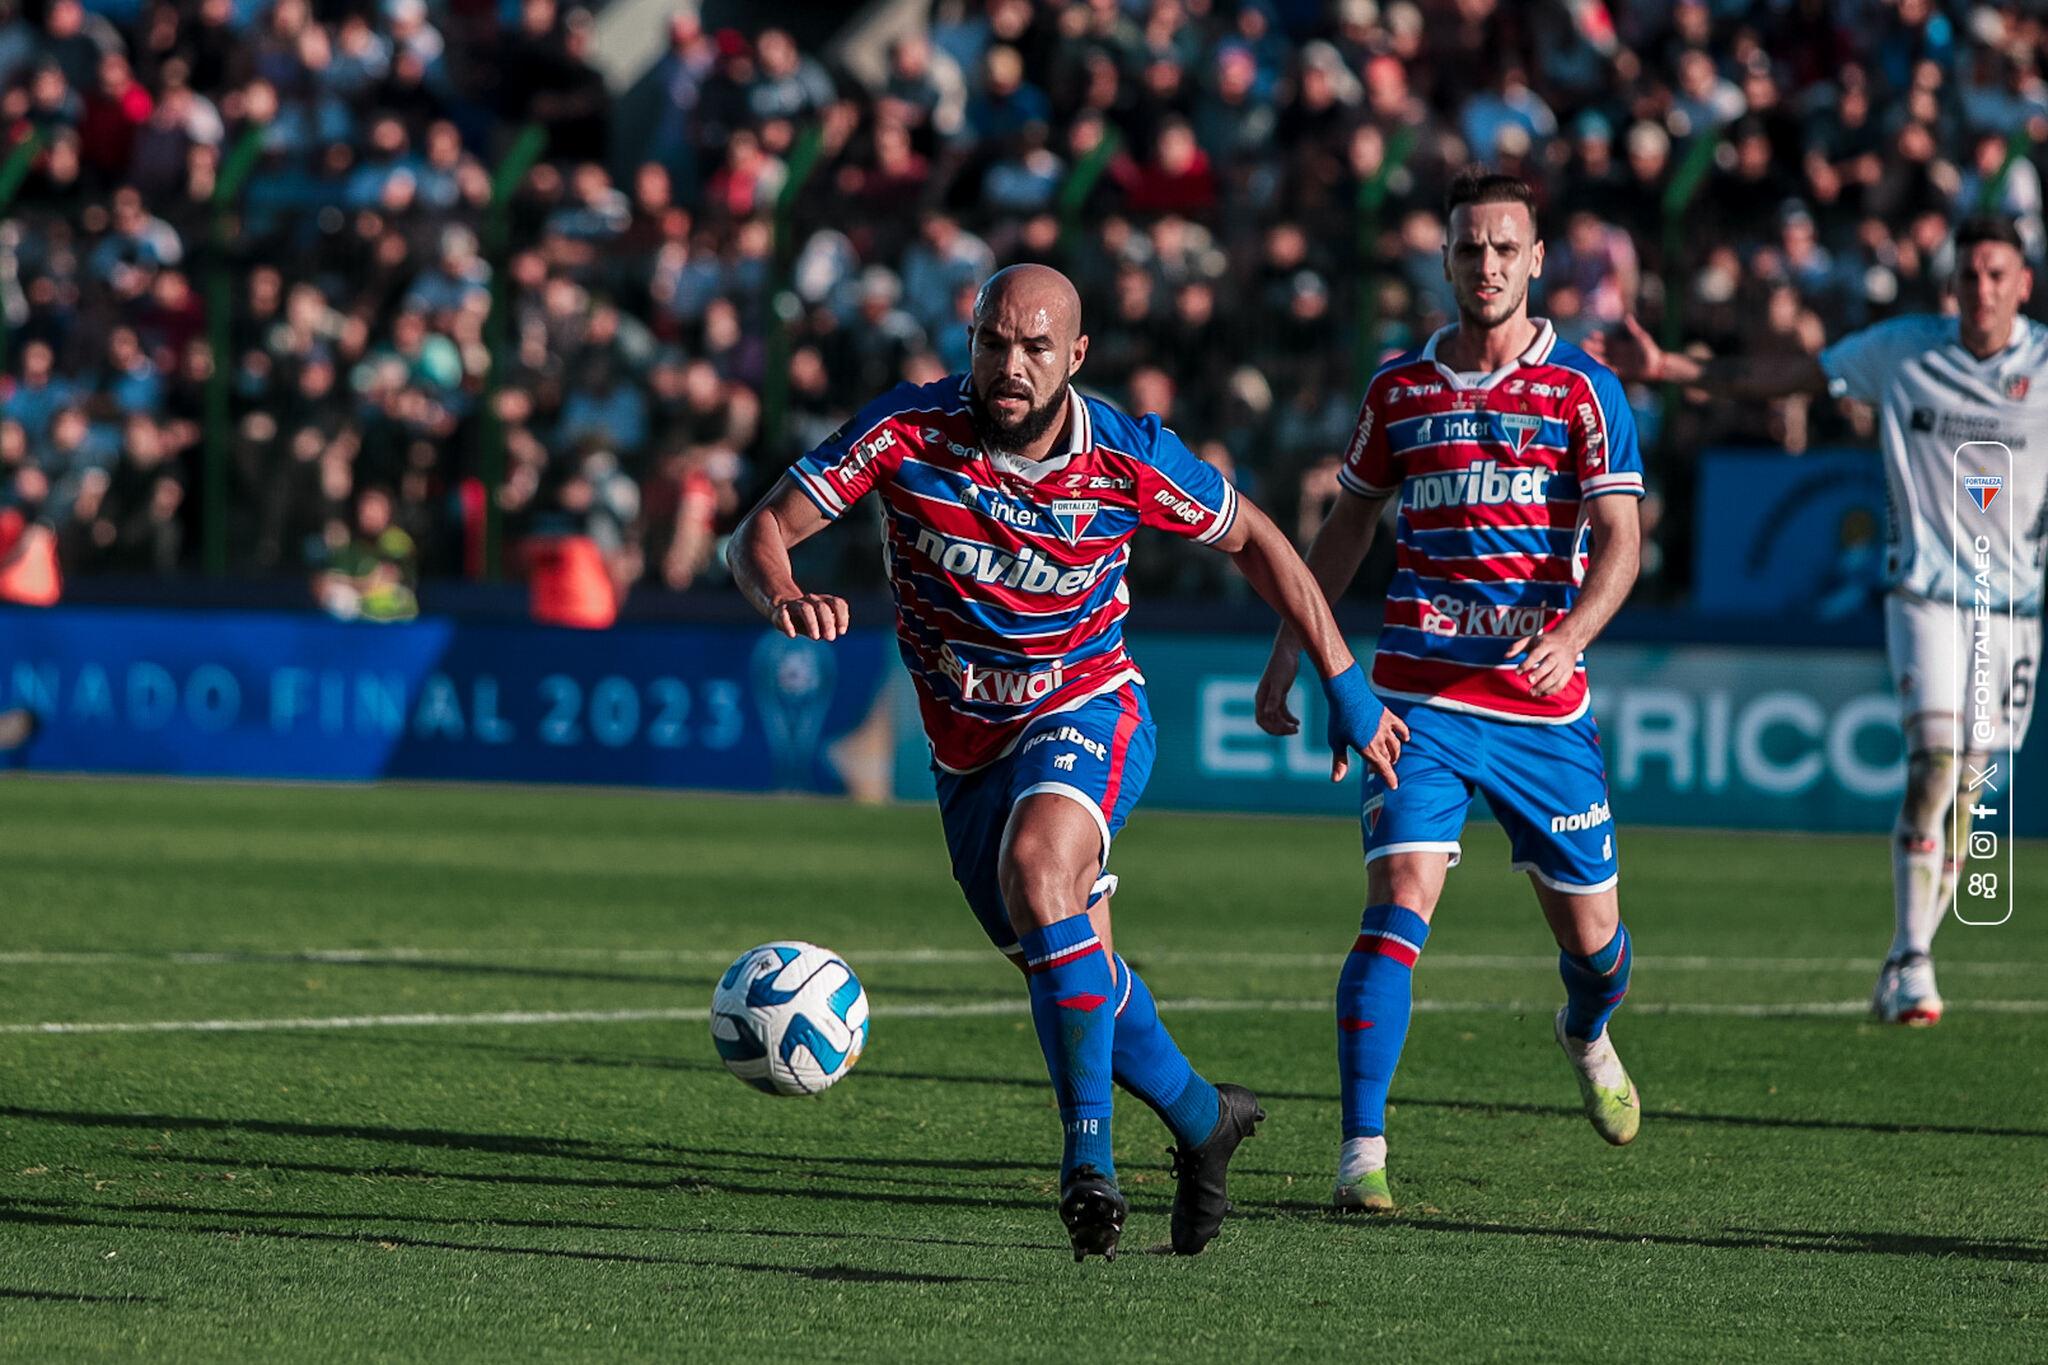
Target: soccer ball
789	1018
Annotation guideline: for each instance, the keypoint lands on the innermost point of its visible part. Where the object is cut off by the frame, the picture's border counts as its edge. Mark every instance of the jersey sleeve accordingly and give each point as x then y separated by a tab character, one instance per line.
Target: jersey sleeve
1369	468
1602	442
1861	364
1178	493
846	465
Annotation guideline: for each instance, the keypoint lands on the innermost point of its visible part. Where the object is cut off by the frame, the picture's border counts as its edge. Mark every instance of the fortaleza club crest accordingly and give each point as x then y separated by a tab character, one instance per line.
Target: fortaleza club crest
1072	515
1521	428
2017	386
1982	488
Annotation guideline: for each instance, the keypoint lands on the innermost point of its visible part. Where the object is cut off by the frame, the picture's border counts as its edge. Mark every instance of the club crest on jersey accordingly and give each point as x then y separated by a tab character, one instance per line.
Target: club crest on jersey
1521	428
2017	386
1982	488
1072	516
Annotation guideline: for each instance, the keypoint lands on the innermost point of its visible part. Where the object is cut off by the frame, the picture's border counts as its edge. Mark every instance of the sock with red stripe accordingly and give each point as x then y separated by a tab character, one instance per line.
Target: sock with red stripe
1150	1065
1594	985
1073	1005
1373	1003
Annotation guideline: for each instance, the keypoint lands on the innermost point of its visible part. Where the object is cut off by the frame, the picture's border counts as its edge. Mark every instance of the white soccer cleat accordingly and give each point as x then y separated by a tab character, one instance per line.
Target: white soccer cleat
1613	1106
1362	1177
1906	993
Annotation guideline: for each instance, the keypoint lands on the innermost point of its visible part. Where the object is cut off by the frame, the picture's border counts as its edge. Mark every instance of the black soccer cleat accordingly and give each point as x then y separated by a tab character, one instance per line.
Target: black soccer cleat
1201	1200
1093	1210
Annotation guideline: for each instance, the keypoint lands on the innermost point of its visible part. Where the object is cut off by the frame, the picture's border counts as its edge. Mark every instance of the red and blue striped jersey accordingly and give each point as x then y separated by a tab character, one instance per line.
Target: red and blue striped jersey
1494	473
1008	573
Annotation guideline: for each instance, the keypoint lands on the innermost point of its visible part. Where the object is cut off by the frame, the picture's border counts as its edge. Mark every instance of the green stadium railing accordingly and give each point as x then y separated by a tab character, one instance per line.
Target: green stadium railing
1371	209
525	152
13	171
784	308
222	230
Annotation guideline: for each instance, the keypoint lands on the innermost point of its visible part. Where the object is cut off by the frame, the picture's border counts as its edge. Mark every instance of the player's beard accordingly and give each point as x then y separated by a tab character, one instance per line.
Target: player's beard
1011	437
1511	301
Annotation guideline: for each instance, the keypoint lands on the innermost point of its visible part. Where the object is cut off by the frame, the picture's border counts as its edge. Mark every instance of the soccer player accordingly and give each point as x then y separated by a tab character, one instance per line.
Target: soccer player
1946	386
1009	502
1507	448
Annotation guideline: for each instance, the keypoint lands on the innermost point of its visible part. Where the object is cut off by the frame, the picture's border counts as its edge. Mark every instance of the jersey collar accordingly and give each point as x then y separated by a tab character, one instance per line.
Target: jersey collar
1536	353
1080	440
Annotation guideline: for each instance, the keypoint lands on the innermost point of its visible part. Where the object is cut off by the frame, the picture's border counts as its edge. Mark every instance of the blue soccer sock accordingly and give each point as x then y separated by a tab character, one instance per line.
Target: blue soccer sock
1373	1003
1151	1066
1073	1007
1594	985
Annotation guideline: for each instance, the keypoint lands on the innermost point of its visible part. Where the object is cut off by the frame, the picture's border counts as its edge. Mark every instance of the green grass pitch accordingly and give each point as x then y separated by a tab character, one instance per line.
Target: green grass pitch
1807	1185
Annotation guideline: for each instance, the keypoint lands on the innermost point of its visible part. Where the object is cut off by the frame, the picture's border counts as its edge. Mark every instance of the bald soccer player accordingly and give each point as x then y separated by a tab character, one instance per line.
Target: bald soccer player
1009	502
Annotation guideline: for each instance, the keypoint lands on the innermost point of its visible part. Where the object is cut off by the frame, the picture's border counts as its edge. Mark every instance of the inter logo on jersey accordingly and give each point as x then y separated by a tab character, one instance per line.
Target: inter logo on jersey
1072	516
1982	488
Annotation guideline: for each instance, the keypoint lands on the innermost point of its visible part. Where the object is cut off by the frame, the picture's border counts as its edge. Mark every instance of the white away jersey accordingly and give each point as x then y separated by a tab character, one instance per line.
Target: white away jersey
1933	397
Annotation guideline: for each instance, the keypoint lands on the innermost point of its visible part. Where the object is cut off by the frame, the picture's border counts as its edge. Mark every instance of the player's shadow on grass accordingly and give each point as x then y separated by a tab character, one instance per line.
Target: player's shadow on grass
1840	1243
507	1143
62	1296
1726	1120
684	1182
526	1224
388	1241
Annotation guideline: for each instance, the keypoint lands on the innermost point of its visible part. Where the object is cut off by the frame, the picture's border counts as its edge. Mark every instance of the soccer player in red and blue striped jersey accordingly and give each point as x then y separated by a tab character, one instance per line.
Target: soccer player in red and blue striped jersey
1513	455
1009	500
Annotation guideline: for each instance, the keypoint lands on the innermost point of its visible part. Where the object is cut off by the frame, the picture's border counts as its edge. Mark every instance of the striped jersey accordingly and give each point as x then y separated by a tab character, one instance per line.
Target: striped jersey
1008	573
1494	472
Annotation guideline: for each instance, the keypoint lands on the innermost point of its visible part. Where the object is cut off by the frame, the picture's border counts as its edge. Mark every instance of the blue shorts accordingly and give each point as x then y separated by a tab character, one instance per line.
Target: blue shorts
1099	754
1547	785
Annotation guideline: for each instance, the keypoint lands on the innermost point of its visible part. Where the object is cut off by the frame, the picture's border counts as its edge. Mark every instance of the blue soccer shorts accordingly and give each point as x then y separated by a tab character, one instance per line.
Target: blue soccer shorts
1098	755
1546	784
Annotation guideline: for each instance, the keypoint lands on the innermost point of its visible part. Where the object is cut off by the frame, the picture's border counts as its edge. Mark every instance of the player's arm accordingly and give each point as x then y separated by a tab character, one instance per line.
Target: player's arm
1339	547
1357	720
759	557
1549	659
1635	355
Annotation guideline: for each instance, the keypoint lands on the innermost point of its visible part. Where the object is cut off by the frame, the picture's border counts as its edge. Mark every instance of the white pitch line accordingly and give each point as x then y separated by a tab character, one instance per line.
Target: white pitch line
970	1009
944	956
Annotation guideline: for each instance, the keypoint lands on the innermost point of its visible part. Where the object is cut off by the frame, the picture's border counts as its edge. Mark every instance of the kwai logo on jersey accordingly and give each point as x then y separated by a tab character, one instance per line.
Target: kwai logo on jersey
1005	686
1484	484
1447	615
1982	488
1072	516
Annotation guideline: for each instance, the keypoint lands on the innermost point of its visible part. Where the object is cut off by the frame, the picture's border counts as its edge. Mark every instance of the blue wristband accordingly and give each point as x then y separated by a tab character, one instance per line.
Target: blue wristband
1354	711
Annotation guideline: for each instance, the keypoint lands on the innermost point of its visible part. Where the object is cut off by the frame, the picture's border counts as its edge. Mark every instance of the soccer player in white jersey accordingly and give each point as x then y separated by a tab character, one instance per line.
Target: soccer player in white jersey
1949	389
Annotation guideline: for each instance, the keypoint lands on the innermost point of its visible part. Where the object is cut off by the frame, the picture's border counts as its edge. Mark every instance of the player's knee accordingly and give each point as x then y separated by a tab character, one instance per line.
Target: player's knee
1930	786
1041	884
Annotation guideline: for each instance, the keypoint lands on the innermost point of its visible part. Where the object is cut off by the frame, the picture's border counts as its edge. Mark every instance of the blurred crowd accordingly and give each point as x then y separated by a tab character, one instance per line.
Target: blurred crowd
702	276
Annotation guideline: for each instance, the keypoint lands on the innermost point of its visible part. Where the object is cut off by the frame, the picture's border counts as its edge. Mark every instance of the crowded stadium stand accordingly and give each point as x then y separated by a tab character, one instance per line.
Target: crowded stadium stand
357	297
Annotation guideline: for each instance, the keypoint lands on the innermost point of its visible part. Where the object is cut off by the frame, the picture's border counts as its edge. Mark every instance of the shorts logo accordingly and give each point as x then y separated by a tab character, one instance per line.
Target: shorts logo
1589	818
1072	515
1982	488
1067	734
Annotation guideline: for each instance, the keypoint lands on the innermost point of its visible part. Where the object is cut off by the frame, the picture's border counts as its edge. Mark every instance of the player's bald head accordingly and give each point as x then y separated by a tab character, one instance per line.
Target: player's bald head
1030	300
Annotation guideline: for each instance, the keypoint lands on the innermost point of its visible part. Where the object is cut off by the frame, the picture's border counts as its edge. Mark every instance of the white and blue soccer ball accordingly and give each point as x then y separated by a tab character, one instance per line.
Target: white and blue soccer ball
789	1018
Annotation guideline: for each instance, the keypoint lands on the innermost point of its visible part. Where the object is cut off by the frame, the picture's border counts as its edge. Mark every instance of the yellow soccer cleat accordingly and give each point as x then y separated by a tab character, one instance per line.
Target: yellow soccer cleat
1612	1104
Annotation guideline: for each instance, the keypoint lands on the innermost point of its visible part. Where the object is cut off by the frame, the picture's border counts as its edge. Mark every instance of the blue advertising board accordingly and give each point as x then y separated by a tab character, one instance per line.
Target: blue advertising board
299	696
1778	535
